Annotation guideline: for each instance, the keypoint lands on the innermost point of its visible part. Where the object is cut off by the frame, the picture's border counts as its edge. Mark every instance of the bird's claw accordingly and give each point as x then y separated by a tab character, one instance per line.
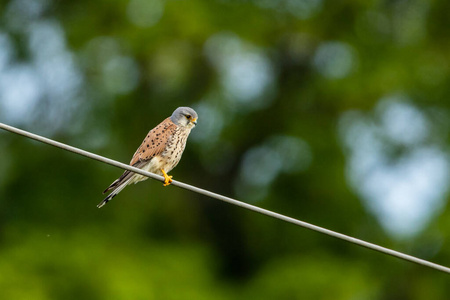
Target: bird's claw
167	180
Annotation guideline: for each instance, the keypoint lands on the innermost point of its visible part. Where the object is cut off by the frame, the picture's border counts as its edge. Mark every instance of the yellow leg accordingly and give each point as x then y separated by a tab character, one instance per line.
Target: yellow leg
167	178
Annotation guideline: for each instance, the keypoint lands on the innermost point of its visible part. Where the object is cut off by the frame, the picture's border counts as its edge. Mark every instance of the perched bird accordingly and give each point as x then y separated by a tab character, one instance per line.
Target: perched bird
160	151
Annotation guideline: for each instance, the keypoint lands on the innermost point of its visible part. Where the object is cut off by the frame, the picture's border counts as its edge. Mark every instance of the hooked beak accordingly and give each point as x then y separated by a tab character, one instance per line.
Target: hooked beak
194	121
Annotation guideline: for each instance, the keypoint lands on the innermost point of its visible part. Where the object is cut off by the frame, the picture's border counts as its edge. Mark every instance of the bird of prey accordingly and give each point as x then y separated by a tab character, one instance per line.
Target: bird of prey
160	151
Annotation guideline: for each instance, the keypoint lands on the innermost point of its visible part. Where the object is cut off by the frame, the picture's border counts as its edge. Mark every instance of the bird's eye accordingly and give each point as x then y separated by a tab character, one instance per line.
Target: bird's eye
188	116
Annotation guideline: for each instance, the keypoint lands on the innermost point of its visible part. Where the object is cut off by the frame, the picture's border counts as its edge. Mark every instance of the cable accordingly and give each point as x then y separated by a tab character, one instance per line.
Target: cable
231	201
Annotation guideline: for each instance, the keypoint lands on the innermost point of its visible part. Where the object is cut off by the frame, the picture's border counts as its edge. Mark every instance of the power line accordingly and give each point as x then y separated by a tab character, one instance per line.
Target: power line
230	200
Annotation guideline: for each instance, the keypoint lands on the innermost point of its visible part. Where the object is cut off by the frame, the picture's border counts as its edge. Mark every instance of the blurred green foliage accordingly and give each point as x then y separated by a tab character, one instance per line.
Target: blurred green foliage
284	90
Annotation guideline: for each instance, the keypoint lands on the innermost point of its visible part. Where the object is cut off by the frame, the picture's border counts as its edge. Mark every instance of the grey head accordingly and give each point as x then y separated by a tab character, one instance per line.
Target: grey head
184	117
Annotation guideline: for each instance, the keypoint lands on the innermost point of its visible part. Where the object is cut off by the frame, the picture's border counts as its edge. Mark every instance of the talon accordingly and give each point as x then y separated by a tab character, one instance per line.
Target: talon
167	178
167	181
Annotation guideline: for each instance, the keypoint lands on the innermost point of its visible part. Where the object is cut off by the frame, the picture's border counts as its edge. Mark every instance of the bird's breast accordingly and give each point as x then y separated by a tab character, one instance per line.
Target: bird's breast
174	149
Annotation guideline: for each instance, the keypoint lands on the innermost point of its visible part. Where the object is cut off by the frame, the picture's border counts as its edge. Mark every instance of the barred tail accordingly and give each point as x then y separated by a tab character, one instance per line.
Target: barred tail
113	193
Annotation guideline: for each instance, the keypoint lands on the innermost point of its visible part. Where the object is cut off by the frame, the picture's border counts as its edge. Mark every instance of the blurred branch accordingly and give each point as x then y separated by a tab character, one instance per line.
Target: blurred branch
230	200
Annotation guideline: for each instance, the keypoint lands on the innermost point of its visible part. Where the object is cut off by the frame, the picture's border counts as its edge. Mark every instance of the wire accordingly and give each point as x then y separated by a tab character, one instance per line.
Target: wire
230	200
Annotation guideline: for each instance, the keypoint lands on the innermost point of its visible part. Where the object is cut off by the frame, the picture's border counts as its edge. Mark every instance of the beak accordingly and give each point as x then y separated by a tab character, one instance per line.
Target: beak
194	121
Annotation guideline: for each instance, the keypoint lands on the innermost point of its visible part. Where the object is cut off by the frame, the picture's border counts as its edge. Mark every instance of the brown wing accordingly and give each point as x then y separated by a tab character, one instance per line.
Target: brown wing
154	144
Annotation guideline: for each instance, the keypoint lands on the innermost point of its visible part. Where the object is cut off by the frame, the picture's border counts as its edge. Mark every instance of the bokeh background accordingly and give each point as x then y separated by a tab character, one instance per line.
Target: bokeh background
332	112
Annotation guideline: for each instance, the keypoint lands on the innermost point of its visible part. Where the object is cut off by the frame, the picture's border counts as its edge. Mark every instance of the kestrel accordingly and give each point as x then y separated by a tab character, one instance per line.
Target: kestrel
160	151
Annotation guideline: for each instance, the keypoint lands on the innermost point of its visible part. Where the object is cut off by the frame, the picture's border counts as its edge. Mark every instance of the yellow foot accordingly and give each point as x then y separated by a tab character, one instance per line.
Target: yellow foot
167	178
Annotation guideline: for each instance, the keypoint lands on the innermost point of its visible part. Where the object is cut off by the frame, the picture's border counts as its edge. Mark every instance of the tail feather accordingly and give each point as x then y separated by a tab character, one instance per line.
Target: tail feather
120	183
125	176
116	190
112	186
106	200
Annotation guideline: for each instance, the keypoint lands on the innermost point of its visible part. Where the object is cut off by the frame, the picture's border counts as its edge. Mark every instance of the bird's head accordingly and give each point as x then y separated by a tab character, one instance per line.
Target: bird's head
184	117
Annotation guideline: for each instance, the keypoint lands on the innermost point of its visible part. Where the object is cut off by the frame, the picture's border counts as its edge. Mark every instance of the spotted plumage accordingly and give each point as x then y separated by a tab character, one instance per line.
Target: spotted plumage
160	151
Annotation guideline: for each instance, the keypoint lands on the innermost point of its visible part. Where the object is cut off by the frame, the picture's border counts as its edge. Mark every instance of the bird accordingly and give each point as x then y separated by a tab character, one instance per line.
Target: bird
160	151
